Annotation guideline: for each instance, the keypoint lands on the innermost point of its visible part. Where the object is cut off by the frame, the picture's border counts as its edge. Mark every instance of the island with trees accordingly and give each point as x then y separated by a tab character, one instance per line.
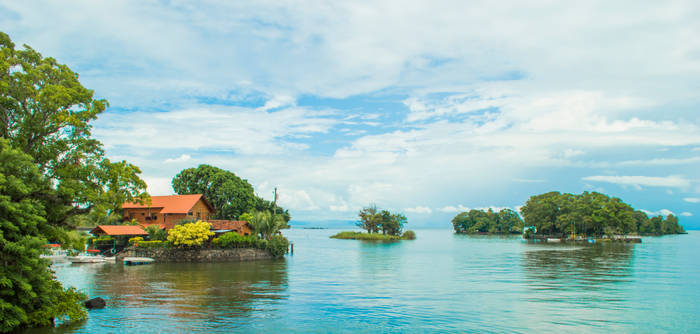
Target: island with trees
555	214
54	176
374	221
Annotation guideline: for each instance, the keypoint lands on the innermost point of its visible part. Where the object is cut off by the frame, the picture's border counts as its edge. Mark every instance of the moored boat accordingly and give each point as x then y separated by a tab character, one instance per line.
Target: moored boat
89	256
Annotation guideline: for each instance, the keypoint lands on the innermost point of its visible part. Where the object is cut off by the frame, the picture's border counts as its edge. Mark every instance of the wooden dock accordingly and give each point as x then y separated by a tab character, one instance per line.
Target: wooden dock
130	261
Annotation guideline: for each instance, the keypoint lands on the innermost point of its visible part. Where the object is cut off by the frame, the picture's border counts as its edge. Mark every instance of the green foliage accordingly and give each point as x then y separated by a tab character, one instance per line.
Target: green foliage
156	233
135	240
74	240
592	214
30	296
278	246
153	244
230	195
190	234
373	220
408	235
267	225
372	236
235	240
246	217
479	221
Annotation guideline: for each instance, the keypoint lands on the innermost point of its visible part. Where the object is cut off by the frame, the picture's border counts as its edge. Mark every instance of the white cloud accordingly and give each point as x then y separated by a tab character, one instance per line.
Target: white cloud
243	130
452	209
692	199
158	186
181	158
494	98
640	181
419	210
686	214
662	212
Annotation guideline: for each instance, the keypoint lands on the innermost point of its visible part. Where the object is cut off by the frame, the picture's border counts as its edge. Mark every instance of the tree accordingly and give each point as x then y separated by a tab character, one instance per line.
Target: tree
479	221
373	220
155	232
266	224
592	214
29	294
370	219
45	112
230	195
190	234
45	115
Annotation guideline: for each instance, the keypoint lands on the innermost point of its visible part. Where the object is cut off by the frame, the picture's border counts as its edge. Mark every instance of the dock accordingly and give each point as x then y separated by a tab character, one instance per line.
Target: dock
130	261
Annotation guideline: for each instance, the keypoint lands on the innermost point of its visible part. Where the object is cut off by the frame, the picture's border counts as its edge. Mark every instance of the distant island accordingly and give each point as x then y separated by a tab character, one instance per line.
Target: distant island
375	221
590	214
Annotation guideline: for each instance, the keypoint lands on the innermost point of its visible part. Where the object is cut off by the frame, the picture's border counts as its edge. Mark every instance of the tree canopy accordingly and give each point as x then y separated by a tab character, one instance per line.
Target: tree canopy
479	221
52	171
230	195
374	220
592	214
29	296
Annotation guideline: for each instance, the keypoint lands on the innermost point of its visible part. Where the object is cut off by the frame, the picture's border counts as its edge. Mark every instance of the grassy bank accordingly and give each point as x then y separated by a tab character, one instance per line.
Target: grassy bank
408	235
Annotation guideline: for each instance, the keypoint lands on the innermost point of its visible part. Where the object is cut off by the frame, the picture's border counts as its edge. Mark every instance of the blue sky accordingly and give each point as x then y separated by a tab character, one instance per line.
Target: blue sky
427	108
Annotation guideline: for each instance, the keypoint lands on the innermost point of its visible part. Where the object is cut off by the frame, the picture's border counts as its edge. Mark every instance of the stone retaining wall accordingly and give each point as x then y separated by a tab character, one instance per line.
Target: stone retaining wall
196	255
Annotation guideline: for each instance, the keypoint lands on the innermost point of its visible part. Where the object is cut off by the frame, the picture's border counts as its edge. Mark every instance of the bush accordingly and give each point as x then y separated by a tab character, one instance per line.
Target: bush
235	240
156	233
190	234
153	244
278	246
409	235
135	240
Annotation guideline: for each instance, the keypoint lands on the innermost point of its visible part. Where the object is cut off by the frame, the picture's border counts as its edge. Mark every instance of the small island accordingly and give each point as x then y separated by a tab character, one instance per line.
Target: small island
559	215
375	221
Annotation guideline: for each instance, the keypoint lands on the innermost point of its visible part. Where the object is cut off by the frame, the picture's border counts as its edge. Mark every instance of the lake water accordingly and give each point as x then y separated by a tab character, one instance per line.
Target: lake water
440	282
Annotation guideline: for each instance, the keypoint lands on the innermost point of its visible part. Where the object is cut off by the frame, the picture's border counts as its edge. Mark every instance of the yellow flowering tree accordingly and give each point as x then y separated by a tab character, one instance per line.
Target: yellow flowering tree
190	234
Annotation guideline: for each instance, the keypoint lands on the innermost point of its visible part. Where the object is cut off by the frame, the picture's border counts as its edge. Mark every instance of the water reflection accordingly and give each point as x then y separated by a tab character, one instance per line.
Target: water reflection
182	296
587	274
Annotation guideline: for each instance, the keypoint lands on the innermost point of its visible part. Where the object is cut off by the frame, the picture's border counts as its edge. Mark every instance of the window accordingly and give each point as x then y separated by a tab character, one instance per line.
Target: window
189	213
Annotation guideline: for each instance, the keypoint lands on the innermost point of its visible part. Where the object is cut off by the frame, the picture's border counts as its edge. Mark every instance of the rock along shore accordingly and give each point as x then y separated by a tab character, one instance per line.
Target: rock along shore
196	254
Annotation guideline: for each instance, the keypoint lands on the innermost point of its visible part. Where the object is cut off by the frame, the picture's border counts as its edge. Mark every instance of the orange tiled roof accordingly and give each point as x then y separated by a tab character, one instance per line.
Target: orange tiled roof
171	204
119	230
226	224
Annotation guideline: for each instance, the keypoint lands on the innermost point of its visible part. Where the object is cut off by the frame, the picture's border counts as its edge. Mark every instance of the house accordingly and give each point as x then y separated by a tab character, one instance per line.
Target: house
119	230
169	210
223	226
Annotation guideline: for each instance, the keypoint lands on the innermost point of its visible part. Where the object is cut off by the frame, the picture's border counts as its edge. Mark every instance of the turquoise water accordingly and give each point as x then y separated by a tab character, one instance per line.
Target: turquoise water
440	282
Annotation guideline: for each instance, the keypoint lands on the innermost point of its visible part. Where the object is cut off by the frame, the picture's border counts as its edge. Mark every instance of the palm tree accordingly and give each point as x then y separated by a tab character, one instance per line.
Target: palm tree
266	224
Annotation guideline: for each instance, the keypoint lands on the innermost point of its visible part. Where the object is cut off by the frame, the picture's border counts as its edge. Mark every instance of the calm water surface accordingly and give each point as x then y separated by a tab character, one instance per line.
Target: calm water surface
439	282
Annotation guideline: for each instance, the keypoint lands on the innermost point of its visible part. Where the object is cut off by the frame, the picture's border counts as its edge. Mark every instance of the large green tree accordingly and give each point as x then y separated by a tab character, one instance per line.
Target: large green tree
45	115
374	220
29	295
230	195
591	214
480	221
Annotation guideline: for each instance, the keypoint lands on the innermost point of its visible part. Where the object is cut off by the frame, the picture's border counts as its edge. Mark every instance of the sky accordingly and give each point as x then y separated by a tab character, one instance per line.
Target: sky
424	107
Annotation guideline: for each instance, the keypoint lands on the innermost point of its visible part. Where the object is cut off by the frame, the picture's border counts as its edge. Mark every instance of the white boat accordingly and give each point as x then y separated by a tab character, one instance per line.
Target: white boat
87	257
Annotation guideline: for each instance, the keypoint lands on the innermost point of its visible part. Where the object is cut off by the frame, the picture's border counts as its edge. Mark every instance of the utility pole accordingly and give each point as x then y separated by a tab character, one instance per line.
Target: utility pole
274	203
